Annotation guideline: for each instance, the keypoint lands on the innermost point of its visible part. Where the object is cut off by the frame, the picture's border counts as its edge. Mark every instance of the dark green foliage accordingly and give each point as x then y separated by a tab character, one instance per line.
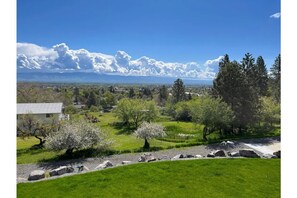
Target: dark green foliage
91	101
261	76
183	111
163	95
76	94
275	78
178	91
131	93
233	86
212	113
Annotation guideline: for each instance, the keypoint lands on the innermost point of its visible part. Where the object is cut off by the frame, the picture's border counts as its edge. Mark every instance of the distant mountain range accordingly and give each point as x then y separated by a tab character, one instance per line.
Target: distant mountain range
82	77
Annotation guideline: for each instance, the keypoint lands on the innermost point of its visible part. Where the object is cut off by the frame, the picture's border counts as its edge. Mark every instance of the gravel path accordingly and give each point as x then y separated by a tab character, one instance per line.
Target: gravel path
23	170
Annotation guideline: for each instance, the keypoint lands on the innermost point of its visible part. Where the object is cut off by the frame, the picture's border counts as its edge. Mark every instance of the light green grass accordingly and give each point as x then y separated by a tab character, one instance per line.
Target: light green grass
28	154
190	178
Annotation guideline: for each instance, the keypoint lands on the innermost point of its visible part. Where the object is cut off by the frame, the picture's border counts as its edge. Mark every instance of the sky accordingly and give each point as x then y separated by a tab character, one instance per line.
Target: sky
171	31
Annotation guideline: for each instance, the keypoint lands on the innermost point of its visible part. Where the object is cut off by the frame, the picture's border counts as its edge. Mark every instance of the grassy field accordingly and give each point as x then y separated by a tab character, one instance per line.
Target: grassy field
189	178
124	140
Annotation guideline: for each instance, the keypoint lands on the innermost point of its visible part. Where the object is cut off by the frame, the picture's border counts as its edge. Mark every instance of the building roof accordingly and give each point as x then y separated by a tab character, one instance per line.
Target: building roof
39	108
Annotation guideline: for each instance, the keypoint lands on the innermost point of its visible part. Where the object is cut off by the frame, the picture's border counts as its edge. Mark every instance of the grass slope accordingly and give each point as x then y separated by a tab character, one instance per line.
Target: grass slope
190	178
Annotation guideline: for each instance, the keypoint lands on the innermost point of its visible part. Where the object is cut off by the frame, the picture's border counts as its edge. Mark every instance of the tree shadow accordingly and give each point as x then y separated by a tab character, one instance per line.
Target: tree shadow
35	149
76	157
123	129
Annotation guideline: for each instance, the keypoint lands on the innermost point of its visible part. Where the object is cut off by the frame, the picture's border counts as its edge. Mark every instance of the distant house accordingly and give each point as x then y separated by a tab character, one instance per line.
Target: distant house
43	111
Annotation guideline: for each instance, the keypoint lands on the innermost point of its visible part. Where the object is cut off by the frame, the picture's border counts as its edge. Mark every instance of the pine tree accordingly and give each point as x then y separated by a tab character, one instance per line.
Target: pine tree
178	91
261	76
163	95
91	101
275	78
231	84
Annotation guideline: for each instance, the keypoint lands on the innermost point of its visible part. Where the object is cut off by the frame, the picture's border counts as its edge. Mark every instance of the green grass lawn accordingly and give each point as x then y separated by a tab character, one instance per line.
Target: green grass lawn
189	178
124	140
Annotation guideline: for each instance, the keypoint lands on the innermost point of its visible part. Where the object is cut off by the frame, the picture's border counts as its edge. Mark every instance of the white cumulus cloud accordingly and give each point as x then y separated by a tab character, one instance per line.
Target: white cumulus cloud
61	58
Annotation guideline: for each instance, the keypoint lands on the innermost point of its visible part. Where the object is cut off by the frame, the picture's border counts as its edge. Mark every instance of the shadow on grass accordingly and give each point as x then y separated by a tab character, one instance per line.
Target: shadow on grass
123	129
35	149
76	157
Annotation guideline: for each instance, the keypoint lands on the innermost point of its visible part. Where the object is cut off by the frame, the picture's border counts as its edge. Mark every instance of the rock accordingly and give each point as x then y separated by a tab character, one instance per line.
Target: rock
179	156
151	158
198	156
61	170
164	157
189	156
274	157
36	175
277	153
219	153
227	143
147	157
267	156
141	159
210	155
104	165
248	153
234	154
82	168
126	162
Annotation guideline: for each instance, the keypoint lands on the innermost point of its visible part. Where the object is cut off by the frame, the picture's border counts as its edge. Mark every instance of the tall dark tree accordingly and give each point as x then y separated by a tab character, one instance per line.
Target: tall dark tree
163	95
275	78
91	101
76	94
178	91
131	93
224	61
261	76
232	86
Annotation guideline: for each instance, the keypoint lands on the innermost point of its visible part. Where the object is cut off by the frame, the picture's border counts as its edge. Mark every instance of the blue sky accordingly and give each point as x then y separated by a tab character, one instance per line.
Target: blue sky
167	30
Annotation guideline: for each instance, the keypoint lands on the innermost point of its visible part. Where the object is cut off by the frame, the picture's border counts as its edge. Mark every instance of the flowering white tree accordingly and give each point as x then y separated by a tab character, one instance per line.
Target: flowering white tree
76	135
148	131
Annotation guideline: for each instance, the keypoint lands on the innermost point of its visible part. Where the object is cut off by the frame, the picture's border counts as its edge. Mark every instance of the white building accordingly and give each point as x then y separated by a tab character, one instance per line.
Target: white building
43	111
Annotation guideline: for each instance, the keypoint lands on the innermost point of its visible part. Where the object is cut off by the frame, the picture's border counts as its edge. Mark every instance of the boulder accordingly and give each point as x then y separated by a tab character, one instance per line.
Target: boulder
36	175
104	165
277	153
141	159
61	170
234	154
210	155
151	158
248	153
82	168
164	157
219	153
179	156
189	156
267	156
147	157
126	162
198	156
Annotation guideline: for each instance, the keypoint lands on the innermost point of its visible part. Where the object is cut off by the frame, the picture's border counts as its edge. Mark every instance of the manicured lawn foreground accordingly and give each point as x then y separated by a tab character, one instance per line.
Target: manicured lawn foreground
190	178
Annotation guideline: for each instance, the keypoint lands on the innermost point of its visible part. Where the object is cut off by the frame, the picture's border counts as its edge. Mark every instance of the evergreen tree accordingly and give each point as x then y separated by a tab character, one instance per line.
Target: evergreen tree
275	78
131	93
261	76
91	101
76	94
178	91
233	87
163	95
